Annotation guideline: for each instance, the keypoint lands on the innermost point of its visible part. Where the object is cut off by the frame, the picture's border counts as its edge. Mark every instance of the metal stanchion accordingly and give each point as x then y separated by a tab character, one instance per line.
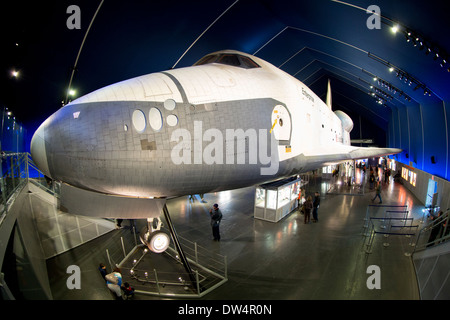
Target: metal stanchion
109	259
371	237
123	247
157	281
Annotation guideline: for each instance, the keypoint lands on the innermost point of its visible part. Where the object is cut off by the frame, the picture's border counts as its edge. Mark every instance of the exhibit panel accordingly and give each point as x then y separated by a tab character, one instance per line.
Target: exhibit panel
274	201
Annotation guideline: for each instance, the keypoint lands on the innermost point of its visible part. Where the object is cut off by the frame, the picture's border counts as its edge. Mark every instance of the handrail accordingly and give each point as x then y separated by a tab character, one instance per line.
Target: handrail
14	173
442	235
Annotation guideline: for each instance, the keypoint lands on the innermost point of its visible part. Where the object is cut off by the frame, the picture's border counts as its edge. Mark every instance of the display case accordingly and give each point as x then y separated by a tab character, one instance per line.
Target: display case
275	200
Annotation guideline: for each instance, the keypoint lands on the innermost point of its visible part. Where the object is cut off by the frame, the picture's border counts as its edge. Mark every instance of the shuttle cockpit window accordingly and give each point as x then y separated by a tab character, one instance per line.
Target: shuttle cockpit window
229	59
207	59
248	63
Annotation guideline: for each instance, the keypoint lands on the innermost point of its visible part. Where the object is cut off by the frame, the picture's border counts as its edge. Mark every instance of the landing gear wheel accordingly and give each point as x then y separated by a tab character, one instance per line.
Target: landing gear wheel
157	241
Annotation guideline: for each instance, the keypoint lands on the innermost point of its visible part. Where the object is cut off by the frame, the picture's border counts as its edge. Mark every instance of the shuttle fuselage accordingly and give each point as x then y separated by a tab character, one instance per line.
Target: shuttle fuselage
230	121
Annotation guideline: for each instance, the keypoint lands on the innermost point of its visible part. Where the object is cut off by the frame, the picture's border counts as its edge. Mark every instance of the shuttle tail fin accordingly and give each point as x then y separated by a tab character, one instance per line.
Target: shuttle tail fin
329	95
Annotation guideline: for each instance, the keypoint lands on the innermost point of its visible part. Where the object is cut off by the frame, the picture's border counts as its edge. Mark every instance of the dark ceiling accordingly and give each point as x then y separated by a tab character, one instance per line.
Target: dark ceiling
311	40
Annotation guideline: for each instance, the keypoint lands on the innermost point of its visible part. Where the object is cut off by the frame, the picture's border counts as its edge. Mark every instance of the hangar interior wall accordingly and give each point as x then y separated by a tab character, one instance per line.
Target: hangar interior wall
420	189
422	130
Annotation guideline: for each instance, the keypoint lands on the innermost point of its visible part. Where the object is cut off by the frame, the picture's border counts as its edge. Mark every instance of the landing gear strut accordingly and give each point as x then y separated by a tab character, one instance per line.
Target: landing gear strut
158	241
152	236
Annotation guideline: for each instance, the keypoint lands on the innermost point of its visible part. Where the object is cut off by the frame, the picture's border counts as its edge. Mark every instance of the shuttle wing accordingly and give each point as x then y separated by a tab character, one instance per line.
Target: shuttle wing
337	153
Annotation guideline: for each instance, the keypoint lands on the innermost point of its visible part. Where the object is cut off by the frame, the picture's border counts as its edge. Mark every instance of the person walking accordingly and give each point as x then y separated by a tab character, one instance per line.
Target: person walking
316	204
378	193
216	218
308	207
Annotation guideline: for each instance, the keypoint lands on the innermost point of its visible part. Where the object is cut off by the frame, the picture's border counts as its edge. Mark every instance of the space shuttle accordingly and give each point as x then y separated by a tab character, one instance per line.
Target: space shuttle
231	120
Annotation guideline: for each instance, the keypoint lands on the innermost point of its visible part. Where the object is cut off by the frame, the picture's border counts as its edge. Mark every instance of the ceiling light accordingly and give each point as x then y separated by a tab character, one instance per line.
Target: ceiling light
391	69
395	29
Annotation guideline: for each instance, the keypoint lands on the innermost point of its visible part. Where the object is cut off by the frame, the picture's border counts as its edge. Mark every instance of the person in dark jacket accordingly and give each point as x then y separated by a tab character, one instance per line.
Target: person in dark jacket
216	217
308	205
103	271
316	204
128	291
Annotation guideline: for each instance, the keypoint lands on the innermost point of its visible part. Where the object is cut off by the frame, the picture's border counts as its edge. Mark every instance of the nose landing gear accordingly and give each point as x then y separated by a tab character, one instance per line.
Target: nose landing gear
152	236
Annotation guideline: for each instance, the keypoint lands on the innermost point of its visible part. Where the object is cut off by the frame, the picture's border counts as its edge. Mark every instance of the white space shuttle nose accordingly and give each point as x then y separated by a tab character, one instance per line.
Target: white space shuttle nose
38	151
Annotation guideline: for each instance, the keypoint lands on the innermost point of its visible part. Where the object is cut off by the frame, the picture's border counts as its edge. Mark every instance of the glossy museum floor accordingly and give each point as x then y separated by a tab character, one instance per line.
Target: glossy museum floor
282	261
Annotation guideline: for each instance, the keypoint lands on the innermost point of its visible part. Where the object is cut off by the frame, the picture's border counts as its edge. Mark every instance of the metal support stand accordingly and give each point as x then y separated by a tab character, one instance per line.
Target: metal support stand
180	251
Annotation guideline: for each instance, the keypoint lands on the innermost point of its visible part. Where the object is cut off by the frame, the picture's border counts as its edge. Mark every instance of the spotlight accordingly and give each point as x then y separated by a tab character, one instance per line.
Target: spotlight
391	69
395	29
428	51
436	56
